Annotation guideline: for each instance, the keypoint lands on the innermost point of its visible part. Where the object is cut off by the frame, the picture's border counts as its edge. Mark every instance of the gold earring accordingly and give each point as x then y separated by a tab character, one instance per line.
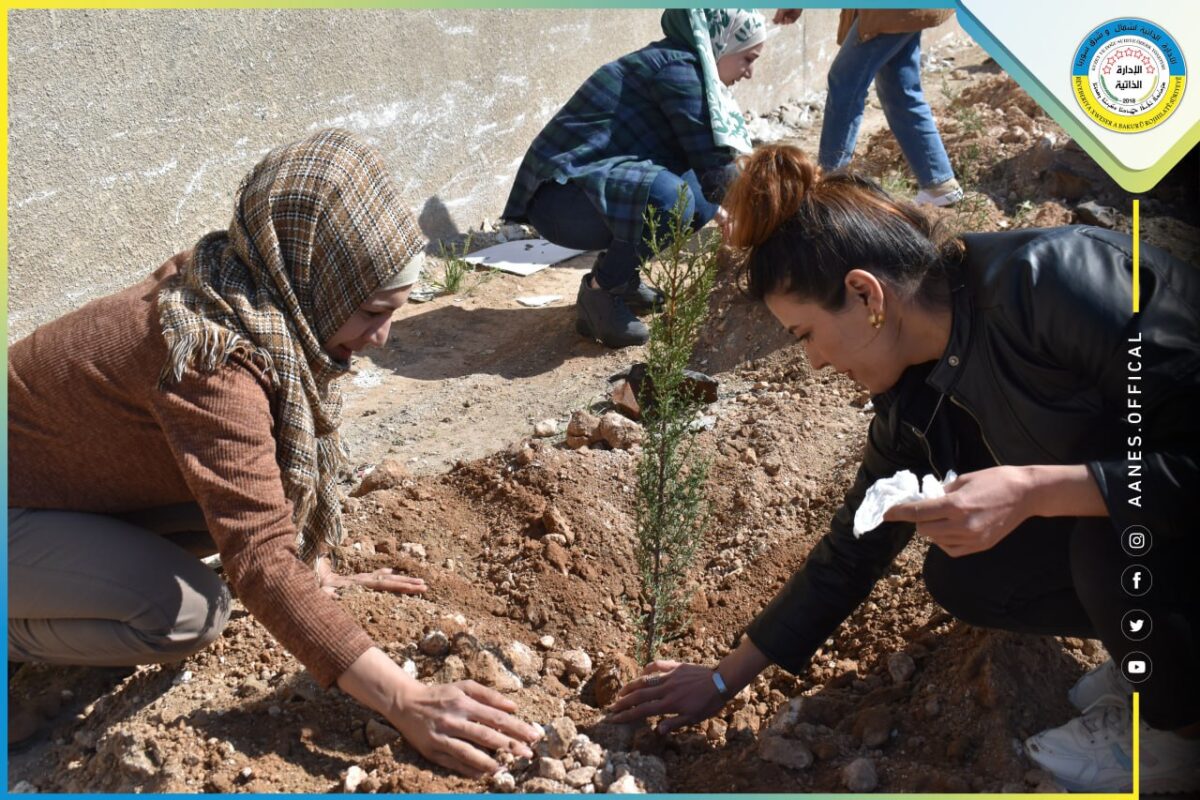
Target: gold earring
876	320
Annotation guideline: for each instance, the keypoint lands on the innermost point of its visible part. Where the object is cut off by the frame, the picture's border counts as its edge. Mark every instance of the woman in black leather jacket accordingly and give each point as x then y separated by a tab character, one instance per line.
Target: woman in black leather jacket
1018	361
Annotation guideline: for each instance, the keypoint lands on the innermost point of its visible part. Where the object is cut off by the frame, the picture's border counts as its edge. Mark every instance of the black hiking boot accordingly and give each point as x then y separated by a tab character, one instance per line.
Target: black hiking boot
603	315
637	294
640	296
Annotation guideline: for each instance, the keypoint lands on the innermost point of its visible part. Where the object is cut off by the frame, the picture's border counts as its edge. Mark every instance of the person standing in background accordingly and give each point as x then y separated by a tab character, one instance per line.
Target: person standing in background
884	46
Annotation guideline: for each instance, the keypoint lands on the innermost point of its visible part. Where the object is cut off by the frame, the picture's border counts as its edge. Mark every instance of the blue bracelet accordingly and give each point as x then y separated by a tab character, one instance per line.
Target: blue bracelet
719	682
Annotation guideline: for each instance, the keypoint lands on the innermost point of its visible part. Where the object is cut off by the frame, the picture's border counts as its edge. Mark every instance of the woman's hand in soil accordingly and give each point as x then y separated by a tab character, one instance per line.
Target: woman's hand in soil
456	725
978	510
383	580
686	691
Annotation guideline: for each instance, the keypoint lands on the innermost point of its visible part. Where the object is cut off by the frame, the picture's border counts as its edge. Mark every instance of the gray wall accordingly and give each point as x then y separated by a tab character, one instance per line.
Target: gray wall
129	130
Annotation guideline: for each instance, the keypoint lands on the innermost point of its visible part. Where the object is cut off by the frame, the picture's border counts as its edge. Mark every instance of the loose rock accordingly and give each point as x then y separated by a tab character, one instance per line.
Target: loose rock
582	429
551	769
619	432
547	427
526	664
576	663
873	726
560	736
901	667
388	474
379	734
544	786
503	782
354	777
435	644
587	752
489	670
626	784
859	775
790	753
580	777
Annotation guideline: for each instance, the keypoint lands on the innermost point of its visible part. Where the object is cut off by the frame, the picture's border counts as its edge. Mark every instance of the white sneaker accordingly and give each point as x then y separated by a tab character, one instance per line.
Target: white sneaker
946	193
1094	753
1104	680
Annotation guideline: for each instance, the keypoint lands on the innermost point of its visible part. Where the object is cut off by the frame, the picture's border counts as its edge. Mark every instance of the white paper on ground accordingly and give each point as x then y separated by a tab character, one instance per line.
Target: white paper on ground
521	257
538	300
887	492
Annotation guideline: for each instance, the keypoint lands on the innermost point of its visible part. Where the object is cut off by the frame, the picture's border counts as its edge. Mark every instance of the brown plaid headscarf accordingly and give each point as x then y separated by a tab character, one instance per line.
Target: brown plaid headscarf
318	228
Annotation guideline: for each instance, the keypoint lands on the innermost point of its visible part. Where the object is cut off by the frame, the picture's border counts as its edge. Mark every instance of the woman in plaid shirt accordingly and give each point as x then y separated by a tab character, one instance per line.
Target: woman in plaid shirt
637	132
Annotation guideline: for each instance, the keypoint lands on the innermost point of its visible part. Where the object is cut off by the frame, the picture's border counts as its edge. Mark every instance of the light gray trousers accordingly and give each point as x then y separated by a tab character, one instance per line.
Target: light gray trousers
98	590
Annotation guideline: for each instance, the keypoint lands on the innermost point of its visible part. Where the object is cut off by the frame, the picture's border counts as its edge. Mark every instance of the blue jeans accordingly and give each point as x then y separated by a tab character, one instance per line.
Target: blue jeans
893	61
563	214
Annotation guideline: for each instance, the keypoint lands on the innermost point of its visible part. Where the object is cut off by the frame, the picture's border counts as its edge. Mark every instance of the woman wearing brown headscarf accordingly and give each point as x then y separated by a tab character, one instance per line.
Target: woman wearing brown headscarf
205	399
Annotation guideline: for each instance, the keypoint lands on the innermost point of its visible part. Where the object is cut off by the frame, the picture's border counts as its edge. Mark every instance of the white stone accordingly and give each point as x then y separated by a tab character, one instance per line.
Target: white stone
354	777
577	663
413	550
504	782
626	784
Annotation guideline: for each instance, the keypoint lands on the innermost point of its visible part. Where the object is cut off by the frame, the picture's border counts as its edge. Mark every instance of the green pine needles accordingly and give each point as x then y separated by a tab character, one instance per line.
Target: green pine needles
672	509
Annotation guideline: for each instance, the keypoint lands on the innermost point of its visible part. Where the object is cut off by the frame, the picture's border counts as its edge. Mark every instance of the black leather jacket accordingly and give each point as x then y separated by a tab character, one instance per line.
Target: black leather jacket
1045	355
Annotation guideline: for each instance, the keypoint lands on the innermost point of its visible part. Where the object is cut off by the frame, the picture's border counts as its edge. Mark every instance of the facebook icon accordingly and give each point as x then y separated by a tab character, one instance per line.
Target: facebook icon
1136	580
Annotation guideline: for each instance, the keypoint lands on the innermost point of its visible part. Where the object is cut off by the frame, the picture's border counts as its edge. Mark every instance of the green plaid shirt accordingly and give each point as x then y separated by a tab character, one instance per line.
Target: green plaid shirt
633	118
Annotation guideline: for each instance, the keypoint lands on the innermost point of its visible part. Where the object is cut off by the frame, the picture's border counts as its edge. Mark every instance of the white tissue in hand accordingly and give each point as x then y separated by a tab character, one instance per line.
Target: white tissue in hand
887	492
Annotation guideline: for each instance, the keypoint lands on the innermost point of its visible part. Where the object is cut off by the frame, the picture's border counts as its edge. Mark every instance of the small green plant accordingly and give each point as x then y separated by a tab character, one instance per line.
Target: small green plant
672	508
457	272
970	120
1022	214
897	184
949	93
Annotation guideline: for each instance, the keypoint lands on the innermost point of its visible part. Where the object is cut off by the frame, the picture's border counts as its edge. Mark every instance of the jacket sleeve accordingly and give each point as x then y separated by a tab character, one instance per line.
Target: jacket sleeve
679	92
219	427
1145	365
841	570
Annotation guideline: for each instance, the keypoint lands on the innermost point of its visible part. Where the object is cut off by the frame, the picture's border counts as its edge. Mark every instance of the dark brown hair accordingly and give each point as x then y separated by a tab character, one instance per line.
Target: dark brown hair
801	230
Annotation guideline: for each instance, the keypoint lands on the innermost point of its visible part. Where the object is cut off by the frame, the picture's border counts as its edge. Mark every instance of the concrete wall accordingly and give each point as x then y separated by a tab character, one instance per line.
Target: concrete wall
129	130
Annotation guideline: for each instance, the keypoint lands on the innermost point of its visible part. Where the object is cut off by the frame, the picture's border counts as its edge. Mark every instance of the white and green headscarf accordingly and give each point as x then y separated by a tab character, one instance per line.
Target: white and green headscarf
712	33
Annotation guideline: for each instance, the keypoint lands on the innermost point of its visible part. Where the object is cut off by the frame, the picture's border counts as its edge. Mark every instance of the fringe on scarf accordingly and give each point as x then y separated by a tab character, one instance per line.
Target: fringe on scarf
208	350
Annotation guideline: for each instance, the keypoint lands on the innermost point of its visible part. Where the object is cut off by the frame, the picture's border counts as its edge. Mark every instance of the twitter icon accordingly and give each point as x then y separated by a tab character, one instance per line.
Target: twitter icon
1136	625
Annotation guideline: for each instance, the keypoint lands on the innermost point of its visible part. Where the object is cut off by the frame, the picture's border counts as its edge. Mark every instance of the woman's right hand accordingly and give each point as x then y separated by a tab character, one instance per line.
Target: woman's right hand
786	16
456	725
684	691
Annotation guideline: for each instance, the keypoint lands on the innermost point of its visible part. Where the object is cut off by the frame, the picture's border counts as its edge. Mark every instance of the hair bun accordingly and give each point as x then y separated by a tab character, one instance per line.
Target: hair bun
774	181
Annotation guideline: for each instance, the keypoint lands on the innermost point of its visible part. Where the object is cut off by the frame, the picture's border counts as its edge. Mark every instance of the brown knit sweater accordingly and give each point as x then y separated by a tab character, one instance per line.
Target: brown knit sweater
89	430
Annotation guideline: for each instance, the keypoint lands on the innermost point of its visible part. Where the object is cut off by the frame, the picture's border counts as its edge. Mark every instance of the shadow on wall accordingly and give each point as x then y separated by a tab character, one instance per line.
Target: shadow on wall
435	221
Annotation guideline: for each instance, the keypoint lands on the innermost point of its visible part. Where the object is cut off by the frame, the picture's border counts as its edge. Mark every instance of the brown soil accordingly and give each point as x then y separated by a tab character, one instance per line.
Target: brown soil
456	397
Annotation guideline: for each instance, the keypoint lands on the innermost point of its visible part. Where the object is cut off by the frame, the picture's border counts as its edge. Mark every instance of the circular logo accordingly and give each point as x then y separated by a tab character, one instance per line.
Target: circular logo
1136	667
1136	580
1136	540
1136	625
1128	75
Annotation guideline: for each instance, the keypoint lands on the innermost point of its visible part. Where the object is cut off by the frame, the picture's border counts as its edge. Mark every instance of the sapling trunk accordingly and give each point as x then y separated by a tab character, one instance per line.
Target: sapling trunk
672	510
